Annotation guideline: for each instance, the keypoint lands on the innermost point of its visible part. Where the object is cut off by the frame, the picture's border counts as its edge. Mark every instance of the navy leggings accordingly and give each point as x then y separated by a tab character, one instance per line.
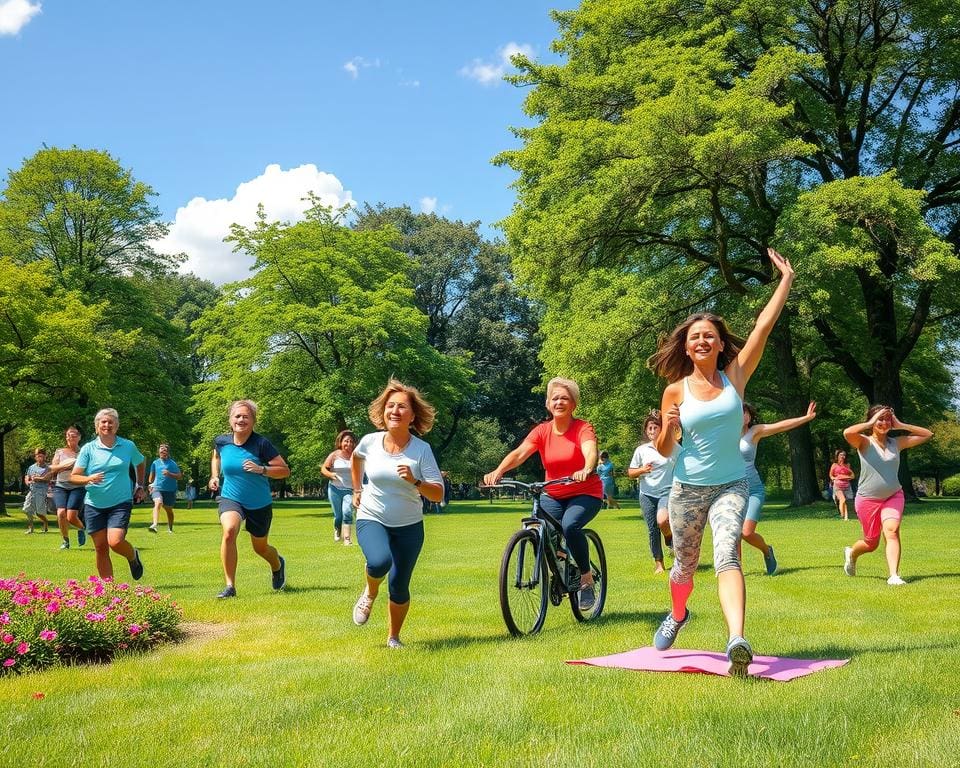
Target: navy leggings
573	514
391	550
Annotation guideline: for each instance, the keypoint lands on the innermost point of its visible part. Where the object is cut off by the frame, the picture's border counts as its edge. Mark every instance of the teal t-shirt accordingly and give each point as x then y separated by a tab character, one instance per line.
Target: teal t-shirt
115	464
250	489
162	482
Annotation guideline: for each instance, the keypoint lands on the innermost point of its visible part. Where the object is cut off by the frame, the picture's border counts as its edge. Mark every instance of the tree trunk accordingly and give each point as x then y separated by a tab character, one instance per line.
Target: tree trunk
795	399
5	430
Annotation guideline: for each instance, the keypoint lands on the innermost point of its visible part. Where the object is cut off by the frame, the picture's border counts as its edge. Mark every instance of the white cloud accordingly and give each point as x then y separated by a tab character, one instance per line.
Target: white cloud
492	72
15	14
357	63
428	205
200	226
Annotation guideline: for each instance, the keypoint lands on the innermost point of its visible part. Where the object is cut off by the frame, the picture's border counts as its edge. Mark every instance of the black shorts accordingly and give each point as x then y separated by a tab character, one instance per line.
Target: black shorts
256	521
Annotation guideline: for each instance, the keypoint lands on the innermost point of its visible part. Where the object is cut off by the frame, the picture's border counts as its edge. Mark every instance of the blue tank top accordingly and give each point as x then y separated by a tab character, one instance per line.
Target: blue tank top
748	450
709	453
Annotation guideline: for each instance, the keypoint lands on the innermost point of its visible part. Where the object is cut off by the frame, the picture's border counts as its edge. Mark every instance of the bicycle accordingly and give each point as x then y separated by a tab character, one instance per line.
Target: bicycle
539	549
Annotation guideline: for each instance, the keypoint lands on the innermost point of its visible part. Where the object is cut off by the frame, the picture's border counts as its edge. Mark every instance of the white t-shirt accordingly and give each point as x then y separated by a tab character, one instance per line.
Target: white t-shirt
341	468
386	497
657	482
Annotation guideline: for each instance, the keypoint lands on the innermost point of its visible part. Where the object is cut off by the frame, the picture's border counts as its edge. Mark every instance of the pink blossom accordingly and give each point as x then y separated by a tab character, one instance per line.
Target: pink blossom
4	618
9	662
23	648
21	599
8	638
48	635
53	607
95	617
135	629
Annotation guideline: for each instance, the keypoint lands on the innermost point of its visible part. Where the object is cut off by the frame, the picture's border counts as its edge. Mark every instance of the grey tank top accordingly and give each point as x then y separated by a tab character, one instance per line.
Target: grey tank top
748	449
878	470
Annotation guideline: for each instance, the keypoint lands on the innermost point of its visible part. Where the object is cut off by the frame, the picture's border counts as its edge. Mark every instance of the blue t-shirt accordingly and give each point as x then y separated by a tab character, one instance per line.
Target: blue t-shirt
162	482
115	464
250	489
605	470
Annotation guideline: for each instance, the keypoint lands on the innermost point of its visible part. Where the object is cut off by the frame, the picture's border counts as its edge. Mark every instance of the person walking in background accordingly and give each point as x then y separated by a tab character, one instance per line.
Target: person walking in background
708	369
37	480
336	468
567	448
879	500
103	466
190	493
67	496
247	461
654	474
401	470
841	476
605	472
753	433
164	474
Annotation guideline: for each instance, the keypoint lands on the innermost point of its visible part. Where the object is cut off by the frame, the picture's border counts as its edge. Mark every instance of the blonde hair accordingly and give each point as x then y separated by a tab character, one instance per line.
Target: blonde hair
423	412
248	404
568	384
106	412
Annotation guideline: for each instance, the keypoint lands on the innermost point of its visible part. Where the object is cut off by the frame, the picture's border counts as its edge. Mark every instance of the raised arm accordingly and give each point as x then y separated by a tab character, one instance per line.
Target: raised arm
742	367
854	434
766	430
917	436
514	459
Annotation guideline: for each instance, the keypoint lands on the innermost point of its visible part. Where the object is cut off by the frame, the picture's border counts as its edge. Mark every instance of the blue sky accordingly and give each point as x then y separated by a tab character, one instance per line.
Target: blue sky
218	105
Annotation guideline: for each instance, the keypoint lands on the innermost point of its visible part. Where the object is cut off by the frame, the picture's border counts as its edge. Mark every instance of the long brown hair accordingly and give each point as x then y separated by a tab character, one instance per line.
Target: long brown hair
671	361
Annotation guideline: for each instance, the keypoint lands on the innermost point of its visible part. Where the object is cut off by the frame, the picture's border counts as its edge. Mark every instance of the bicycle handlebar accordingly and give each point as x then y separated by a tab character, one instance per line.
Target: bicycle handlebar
508	482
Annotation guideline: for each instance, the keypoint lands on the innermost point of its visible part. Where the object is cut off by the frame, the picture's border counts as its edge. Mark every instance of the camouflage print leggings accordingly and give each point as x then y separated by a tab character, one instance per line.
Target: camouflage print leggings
691	506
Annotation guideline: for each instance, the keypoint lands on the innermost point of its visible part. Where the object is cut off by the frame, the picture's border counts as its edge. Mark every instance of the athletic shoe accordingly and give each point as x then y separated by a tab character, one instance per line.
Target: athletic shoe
896	581
169	530
586	598
740	655
347	543
361	611
66	544
136	567
81	537
770	560
227	591
280	575
152	529
336	536
849	564
27	533
664	637
394	642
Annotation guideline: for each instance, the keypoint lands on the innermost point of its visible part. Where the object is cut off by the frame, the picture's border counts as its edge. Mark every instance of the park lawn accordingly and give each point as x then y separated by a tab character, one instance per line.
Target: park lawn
287	679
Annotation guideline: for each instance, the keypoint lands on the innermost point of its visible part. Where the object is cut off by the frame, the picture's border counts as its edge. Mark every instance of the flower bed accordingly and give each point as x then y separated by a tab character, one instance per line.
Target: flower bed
42	623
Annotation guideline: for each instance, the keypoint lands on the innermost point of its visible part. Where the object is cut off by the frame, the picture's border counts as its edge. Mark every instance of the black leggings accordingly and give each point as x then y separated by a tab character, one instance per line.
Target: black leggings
574	513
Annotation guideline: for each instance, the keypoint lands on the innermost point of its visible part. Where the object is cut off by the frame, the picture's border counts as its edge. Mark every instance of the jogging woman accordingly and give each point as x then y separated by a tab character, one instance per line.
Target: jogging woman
708	369
162	481
840	476
879	501
336	468
67	496
655	475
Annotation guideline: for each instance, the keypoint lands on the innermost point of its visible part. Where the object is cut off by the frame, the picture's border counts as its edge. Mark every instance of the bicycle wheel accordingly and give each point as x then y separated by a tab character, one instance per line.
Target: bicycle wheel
523	586
598	565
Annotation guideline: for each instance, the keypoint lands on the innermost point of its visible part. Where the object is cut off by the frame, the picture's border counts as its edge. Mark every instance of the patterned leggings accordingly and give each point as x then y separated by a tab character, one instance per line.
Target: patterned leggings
691	506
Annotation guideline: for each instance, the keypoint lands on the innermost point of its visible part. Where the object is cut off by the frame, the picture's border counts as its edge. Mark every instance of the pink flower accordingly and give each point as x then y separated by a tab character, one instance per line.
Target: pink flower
48	635
23	648
21	599
9	662
4	618
53	607
95	617
8	638
135	629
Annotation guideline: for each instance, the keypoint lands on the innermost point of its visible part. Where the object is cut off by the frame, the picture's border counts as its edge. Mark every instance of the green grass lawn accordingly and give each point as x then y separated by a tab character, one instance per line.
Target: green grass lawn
287	679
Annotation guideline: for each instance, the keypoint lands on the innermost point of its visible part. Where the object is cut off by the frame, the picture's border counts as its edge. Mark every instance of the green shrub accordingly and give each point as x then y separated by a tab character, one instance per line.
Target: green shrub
42	624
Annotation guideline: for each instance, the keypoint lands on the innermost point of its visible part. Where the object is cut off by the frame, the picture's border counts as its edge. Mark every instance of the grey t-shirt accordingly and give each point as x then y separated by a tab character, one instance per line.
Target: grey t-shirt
386	497
878	470
657	481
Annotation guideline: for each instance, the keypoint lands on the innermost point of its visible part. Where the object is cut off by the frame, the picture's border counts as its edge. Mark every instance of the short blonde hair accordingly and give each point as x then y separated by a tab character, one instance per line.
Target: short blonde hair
423	412
568	384
248	404
106	412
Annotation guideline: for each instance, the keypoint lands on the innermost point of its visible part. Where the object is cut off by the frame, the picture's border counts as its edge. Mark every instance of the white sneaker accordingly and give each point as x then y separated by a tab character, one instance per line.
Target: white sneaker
361	611
896	581
849	564
336	536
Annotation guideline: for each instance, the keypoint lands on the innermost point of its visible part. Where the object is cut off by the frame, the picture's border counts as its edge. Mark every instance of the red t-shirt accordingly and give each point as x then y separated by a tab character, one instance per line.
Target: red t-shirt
561	456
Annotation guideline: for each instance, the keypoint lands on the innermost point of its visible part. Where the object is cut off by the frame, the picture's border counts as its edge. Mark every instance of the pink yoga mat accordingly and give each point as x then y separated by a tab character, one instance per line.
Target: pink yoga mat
679	660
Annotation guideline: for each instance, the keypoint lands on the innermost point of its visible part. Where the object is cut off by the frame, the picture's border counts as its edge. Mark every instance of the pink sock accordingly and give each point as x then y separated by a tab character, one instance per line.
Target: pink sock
679	594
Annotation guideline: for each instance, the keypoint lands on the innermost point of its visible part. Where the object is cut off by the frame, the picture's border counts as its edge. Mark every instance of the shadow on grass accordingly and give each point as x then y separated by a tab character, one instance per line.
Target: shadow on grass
851	652
623	617
466	641
931	576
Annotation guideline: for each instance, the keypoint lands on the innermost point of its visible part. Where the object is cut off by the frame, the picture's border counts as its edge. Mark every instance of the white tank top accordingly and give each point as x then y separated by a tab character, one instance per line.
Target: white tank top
341	468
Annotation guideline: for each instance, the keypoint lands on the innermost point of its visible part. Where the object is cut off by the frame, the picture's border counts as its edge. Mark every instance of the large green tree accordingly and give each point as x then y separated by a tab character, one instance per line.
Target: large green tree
313	335
675	141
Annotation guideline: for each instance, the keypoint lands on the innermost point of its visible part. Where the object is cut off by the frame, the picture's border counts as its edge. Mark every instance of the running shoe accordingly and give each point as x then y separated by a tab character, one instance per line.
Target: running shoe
770	560
152	528
849	564
896	581
279	577
336	536
667	633
394	642
65	545
740	656
227	591
361	611
81	537
136	567
586	598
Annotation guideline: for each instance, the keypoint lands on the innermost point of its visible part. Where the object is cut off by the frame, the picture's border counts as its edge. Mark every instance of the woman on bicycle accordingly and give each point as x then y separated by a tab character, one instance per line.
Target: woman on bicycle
401	471
708	369
567	447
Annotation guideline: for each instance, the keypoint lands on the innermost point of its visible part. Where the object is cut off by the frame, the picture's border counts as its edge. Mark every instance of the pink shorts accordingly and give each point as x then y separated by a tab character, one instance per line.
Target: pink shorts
872	513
